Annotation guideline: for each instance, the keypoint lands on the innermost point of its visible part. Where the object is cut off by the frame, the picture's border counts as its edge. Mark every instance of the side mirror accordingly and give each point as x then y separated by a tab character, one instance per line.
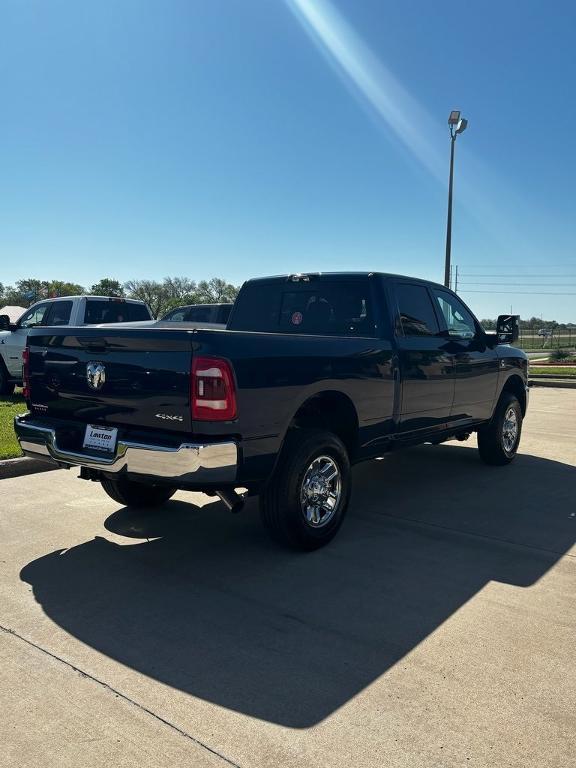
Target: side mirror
508	328
4	323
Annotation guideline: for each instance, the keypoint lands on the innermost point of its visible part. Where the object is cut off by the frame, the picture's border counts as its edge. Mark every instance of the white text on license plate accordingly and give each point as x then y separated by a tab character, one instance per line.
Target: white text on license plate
101	438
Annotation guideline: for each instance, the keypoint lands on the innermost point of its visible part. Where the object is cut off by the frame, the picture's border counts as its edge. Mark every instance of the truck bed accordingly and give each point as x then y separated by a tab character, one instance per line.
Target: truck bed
148	377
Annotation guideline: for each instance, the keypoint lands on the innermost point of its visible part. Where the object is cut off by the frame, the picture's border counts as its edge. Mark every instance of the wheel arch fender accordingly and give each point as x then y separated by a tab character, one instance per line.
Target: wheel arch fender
329	409
514	384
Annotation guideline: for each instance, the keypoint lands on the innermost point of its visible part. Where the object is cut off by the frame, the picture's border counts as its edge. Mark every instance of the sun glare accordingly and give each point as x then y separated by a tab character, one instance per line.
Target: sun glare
343	47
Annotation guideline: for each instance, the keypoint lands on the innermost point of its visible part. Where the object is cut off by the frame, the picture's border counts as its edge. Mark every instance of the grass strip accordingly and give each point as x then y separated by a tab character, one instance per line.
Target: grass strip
10	406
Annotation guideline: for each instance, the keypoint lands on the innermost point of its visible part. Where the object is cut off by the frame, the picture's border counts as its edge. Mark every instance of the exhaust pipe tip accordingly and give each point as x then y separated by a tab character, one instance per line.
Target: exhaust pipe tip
233	501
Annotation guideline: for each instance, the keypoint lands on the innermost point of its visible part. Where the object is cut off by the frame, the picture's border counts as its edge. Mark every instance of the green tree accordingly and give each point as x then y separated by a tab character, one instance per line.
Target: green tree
150	291
26	292
179	287
108	287
178	291
216	291
56	288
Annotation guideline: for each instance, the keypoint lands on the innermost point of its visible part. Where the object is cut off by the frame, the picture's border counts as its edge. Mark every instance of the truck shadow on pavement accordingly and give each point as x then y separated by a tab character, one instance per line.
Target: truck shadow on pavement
209	606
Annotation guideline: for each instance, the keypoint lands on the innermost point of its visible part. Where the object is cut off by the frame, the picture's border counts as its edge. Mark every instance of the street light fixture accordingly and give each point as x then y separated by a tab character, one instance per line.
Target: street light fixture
457	125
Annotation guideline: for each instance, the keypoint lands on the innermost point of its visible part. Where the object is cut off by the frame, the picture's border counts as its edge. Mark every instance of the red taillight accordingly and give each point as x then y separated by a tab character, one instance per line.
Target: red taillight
213	395
26	373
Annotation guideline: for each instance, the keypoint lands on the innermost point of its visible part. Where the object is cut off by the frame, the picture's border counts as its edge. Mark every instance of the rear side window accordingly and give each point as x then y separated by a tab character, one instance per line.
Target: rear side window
224	313
177	315
339	308
114	312
59	313
416	315
201	315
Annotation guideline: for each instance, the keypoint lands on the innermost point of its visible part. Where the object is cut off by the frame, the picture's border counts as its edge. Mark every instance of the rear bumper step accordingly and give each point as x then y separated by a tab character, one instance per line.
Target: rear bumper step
187	463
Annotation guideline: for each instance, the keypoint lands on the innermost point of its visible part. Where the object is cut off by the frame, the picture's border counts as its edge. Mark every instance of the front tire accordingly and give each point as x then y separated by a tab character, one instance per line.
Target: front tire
498	441
305	501
136	495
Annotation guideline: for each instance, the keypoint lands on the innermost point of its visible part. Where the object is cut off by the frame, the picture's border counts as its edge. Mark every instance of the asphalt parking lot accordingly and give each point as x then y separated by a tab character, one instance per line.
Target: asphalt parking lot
437	630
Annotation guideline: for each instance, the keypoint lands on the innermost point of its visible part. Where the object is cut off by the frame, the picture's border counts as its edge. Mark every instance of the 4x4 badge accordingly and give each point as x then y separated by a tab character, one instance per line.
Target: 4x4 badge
169	417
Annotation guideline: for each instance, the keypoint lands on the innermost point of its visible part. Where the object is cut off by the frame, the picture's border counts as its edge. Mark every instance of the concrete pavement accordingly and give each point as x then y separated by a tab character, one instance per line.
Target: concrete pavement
437	629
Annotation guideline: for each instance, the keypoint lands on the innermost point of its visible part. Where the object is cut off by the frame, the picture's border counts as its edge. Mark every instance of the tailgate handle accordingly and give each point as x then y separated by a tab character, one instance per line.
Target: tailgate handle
93	343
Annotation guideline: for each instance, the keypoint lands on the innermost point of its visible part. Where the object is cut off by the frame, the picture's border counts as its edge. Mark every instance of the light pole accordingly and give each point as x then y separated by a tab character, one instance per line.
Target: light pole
457	125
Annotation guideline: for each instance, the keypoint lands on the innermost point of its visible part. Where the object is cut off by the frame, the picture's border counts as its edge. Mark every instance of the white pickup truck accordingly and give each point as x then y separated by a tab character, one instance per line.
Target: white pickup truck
68	310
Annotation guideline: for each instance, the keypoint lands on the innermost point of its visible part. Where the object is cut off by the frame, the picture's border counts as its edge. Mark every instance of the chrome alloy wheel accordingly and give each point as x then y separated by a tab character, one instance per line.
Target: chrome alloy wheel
321	491
510	430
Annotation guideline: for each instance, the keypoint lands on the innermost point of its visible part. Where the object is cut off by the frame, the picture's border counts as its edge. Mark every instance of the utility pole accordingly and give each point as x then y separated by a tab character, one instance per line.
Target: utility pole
457	125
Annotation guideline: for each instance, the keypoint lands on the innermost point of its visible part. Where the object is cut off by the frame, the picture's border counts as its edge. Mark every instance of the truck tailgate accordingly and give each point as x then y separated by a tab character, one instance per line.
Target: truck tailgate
116	376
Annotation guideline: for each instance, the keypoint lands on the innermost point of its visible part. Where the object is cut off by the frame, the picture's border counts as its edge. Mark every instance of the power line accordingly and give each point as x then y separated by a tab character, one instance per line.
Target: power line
522	293
532	285
545	276
519	266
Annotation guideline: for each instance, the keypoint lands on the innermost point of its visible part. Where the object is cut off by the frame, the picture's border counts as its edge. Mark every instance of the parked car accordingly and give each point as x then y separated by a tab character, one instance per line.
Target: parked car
313	374
215	314
65	311
546	332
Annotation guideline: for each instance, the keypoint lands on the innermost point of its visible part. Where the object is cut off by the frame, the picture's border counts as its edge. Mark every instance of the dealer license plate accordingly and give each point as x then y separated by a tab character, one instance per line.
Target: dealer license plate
100	438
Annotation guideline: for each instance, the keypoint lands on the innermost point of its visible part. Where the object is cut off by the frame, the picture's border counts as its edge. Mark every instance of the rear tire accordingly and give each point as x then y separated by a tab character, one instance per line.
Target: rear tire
498	441
305	501
137	495
6	386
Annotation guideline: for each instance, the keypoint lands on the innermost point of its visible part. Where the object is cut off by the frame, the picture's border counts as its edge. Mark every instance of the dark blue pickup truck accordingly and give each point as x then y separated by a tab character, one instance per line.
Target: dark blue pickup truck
313	373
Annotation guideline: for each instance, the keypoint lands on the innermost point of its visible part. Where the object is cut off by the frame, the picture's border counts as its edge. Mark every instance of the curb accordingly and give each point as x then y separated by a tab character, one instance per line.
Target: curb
23	466
558	383
555	376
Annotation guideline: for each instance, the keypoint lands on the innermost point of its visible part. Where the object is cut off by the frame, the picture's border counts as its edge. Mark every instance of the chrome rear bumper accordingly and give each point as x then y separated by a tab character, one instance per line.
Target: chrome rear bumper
187	463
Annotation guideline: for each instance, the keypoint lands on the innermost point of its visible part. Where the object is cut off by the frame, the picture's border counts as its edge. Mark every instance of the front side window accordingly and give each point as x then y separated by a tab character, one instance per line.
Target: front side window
459	321
34	316
416	315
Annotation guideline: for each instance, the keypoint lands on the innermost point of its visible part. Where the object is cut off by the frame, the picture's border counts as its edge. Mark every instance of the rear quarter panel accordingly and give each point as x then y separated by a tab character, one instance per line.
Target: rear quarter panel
277	373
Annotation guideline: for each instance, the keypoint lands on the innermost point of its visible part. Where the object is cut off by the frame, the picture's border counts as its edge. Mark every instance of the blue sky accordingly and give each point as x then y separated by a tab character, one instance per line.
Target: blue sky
247	137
